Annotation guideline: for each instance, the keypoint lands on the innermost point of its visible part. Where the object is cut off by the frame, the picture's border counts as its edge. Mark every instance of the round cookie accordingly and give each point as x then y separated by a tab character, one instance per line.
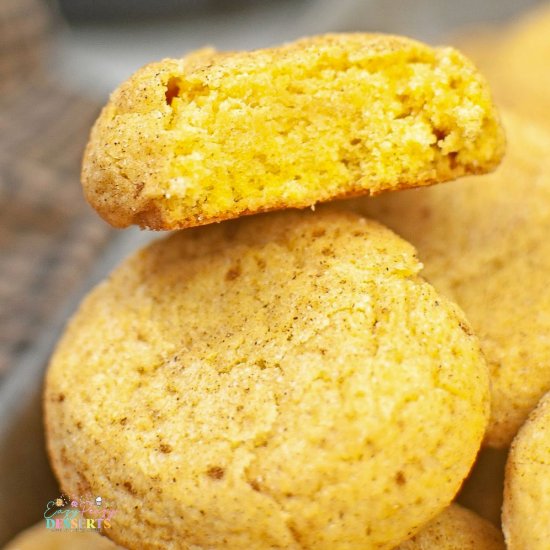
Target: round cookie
526	510
186	142
484	244
40	538
456	528
280	381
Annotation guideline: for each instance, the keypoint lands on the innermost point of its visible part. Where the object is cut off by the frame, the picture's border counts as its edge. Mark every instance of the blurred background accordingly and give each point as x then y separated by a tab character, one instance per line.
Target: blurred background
103	41
58	63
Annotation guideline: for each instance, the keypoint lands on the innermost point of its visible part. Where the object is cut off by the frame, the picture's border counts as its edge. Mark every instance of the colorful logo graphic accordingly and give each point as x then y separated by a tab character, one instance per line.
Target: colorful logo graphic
83	513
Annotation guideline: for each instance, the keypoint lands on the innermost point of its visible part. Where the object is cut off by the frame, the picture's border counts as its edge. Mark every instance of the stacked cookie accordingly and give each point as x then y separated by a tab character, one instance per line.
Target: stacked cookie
283	380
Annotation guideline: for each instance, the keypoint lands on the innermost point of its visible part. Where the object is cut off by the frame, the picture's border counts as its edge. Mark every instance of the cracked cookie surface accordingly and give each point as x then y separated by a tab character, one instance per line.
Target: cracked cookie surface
284	381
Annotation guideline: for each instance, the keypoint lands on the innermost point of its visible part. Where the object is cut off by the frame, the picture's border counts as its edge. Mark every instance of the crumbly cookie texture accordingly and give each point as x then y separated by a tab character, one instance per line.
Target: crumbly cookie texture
282	381
186	142
484	243
456	528
526	509
40	538
515	60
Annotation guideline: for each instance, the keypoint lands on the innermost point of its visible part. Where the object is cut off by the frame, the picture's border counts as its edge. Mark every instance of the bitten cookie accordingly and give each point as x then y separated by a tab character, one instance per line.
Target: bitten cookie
280	381
456	528
526	510
190	141
484	243
40	538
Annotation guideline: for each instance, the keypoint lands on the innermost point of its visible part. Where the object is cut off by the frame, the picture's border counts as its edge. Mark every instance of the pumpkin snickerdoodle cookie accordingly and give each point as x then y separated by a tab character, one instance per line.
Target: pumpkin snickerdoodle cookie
286	380
213	136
